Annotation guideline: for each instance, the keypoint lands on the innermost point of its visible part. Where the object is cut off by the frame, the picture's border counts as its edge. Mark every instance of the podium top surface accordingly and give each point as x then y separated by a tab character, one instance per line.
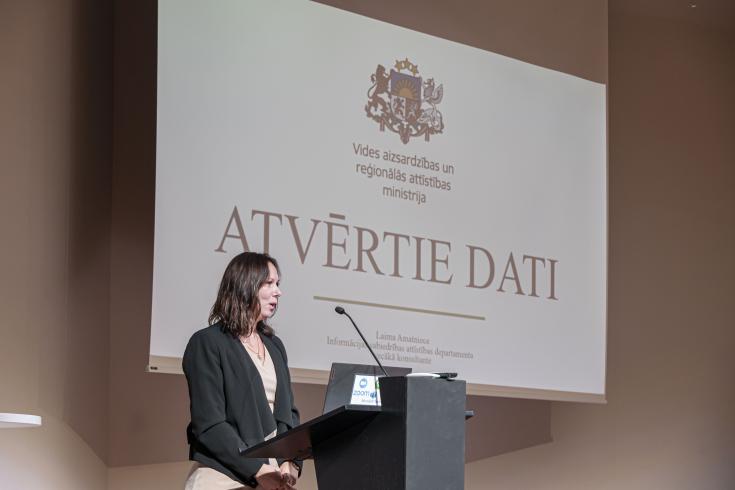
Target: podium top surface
298	442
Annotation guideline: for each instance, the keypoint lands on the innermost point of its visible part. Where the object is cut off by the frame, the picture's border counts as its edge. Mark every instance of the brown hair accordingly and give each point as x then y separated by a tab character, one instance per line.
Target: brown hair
237	305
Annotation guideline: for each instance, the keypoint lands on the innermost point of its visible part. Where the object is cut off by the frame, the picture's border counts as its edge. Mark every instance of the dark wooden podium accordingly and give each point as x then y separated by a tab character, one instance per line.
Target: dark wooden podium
414	441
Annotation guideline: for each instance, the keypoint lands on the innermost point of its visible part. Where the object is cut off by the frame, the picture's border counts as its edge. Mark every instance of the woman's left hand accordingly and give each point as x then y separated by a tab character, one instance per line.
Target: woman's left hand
290	473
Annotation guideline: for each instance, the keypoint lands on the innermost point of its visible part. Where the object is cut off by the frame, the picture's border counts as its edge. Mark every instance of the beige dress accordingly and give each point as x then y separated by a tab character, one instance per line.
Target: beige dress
204	478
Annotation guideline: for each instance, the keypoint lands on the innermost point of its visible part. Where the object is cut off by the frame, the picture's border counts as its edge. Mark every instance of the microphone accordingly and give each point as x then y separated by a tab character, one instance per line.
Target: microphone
341	311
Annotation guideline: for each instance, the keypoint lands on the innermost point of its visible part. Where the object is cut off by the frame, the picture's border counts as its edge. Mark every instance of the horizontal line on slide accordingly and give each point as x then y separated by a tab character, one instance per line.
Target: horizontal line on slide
399	308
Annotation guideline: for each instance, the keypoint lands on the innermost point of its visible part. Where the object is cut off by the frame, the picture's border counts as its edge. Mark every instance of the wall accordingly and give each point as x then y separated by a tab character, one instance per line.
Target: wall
148	412
173	476
77	234
55	178
51	456
670	420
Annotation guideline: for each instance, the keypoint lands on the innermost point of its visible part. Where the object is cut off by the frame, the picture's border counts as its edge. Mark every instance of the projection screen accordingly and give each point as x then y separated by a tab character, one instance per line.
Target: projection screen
451	199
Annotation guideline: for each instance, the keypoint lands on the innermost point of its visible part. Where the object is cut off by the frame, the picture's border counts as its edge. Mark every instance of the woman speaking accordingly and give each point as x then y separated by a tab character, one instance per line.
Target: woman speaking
239	384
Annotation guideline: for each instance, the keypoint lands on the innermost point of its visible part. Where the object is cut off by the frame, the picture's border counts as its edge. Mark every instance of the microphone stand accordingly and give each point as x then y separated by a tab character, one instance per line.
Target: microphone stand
342	311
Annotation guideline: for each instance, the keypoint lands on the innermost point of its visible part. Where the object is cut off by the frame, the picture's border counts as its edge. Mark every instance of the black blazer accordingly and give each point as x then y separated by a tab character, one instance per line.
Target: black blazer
229	410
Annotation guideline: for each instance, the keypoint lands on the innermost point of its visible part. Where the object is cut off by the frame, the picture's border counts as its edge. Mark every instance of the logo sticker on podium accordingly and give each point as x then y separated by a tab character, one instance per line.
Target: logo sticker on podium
365	390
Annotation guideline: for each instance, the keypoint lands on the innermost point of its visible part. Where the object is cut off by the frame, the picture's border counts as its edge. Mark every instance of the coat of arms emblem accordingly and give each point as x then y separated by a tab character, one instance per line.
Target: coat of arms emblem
405	103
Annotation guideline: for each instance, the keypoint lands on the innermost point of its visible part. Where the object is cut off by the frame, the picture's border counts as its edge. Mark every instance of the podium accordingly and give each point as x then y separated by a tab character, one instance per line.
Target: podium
415	440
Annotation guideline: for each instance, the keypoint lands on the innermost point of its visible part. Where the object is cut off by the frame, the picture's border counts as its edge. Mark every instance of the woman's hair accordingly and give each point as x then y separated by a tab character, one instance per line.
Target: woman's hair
237	305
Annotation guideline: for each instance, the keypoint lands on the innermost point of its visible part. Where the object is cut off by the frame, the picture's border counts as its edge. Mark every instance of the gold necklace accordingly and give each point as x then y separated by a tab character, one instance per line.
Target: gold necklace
258	344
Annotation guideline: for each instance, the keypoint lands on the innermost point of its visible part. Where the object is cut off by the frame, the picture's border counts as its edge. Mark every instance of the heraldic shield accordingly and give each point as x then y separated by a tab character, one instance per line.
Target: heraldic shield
404	102
405	96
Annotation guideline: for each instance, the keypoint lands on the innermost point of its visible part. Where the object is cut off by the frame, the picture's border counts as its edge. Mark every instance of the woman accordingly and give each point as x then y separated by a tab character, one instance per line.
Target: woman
239	385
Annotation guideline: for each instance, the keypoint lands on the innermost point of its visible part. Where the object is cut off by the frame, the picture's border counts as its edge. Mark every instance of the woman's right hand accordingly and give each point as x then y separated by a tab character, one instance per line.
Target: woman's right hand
270	478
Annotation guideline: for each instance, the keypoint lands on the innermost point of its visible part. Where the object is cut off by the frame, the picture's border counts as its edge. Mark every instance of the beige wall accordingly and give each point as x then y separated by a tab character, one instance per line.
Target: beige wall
149	477
55	151
77	225
173	475
53	456
670	420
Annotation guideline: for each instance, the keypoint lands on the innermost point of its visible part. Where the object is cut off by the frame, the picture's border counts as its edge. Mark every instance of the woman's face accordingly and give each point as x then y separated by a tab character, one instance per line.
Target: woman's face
269	293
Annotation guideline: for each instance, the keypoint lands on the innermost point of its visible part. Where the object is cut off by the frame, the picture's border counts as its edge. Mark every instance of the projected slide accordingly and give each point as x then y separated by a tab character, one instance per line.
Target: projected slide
452	200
